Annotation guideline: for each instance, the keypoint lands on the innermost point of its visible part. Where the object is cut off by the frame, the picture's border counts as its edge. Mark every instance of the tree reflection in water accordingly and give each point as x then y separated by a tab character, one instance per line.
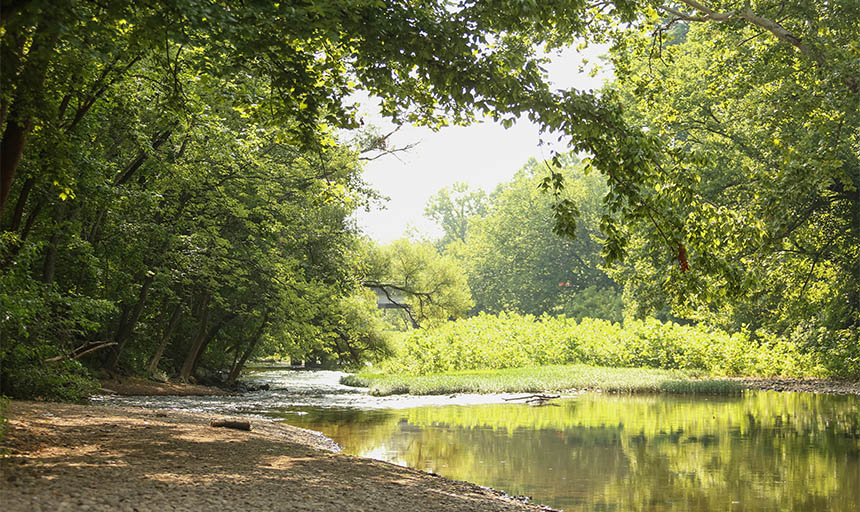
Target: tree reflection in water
762	451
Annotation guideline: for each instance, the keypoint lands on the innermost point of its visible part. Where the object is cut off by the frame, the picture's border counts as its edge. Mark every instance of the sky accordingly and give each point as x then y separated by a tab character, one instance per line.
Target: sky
482	155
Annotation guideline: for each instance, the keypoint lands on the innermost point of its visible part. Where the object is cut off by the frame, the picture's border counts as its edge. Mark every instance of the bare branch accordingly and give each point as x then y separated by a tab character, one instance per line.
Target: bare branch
381	144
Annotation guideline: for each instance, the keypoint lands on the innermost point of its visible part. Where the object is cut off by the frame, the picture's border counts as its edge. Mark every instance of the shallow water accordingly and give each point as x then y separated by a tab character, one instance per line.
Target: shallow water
761	451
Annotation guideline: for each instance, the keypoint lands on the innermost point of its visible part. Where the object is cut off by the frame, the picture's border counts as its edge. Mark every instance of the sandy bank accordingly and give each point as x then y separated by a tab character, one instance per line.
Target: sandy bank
71	457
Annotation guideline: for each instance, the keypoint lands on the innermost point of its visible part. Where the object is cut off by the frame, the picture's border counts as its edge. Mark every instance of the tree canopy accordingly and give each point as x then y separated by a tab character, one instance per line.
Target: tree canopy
170	171
753	219
514	260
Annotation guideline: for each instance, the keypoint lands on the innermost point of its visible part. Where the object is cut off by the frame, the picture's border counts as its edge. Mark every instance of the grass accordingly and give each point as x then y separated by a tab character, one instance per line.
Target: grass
543	378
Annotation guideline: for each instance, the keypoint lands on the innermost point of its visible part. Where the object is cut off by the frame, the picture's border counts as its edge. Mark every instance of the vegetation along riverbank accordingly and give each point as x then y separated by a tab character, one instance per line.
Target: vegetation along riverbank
522	353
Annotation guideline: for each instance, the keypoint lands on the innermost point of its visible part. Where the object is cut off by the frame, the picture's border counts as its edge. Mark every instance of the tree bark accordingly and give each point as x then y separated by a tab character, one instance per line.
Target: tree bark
188	364
19	205
209	337
50	264
165	338
126	327
19	120
237	368
11	149
157	141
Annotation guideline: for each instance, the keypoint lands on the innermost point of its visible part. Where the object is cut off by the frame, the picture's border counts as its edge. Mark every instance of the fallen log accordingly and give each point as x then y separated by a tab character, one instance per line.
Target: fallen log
234	424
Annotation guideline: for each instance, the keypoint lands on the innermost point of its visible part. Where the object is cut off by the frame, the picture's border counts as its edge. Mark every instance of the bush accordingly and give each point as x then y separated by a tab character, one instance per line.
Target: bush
38	324
25	374
509	340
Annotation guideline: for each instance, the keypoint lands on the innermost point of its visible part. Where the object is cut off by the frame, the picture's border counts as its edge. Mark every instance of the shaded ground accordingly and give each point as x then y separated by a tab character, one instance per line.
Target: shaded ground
138	386
70	457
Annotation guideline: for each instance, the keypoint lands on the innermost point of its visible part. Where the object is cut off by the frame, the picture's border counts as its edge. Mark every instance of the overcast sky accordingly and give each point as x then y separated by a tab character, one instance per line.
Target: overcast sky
482	155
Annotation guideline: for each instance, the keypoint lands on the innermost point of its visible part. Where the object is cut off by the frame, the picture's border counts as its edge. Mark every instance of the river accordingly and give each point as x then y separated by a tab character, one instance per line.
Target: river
761	451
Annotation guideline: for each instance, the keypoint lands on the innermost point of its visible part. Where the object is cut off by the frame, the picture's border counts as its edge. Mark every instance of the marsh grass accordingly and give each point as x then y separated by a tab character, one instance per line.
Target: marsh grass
542	379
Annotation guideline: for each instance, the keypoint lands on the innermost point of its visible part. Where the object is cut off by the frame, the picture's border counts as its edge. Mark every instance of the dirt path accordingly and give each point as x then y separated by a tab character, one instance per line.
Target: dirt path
63	457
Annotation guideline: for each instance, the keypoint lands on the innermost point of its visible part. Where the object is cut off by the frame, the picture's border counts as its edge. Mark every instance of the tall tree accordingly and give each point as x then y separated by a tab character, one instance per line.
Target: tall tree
430	287
451	208
515	261
754	218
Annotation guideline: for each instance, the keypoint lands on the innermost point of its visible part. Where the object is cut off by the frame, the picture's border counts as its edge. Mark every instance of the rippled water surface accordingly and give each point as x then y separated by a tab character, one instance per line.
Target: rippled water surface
762	451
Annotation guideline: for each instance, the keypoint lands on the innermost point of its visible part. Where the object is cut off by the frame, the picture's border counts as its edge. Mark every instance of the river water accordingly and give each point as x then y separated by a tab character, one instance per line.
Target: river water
761	451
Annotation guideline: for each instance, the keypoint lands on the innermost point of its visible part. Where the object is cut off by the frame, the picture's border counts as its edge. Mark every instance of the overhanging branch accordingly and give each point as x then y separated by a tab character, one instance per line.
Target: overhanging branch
704	13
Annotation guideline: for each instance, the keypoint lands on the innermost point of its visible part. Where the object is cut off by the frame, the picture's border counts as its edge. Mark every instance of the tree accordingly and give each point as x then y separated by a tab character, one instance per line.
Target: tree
754	219
430	62
219	228
514	260
433	287
452	208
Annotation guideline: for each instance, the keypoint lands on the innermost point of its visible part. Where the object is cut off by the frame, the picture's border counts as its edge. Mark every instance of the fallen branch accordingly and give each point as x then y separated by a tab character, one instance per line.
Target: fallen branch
533	398
79	352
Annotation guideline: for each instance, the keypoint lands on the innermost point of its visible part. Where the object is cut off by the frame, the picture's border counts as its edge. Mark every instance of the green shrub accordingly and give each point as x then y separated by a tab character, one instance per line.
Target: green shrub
25	374
510	340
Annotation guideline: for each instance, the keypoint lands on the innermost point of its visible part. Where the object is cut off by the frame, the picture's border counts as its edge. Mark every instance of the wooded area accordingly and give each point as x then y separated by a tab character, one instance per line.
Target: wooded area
178	177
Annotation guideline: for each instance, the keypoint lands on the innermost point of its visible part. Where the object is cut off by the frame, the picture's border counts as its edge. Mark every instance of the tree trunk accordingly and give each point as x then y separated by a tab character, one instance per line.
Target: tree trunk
157	140
127	325
19	120
197	342
209	337
11	149
237	368
50	264
19	205
165	338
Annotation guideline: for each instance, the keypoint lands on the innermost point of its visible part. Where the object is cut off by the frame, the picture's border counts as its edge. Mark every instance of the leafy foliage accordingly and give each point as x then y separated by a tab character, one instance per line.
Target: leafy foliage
452	208
509	340
430	287
516	262
172	189
188	240
753	215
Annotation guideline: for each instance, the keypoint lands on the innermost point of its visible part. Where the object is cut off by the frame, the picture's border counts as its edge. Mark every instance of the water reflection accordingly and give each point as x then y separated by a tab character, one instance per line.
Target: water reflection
762	451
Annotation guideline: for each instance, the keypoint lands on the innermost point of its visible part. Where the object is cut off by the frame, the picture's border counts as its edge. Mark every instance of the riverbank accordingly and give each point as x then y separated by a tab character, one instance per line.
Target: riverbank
800	385
71	457
579	377
140	386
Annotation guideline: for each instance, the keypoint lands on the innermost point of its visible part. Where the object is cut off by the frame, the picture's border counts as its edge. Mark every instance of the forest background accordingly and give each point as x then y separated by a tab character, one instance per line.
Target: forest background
178	180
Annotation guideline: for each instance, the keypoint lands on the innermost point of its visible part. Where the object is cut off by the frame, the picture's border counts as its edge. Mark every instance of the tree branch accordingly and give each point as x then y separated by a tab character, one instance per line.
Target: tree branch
705	14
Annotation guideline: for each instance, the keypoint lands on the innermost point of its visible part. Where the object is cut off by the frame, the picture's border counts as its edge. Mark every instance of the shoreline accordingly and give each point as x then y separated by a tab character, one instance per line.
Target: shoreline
799	385
139	386
73	457
59	456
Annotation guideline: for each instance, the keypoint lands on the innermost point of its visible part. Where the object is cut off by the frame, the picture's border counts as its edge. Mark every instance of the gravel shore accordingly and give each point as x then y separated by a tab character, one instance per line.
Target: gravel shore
62	457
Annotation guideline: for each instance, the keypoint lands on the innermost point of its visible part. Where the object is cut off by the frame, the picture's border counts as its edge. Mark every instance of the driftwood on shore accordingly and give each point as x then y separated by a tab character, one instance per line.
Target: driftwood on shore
234	424
535	400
